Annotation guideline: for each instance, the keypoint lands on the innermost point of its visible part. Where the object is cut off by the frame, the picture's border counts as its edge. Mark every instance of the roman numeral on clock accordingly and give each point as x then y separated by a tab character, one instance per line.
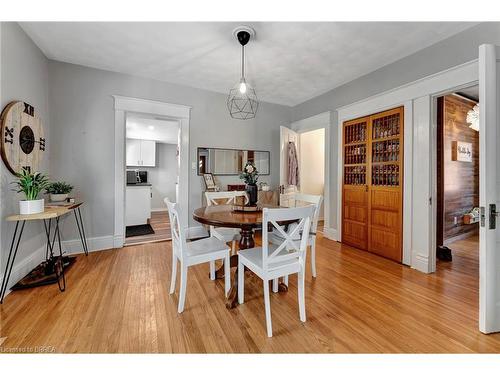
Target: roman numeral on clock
9	135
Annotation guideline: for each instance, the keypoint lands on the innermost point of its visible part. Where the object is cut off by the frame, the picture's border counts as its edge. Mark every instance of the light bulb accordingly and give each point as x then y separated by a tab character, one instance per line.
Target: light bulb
243	87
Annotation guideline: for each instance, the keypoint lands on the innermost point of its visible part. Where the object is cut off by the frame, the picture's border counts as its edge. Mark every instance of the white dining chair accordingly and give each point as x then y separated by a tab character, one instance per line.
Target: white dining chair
300	200
214	198
272	261
191	253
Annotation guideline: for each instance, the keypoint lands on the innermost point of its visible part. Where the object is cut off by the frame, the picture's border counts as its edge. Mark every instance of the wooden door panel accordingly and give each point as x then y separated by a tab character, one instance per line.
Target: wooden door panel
385	219
385	199
355	234
356	197
355	213
385	243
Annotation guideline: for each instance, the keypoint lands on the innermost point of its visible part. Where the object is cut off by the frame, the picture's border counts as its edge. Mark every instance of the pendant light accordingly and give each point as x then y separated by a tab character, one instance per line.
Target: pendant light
242	101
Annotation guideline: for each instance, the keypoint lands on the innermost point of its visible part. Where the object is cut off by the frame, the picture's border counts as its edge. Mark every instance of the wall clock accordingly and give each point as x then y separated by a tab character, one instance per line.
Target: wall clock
22	142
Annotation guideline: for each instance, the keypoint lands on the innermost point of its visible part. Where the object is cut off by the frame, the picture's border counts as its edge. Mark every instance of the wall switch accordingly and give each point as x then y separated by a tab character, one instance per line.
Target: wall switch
193	165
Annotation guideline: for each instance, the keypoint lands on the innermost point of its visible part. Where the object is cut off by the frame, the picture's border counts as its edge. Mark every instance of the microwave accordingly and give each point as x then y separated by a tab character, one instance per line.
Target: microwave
137	177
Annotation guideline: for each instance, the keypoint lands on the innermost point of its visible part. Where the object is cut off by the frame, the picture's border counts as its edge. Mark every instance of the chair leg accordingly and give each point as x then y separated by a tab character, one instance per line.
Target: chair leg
227	274
182	294
174	272
275	285
241	283
285	280
301	297
212	270
267	304
313	257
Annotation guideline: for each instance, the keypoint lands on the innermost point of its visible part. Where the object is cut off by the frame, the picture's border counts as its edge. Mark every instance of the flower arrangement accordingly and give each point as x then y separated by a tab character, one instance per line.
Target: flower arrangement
250	174
31	184
59	187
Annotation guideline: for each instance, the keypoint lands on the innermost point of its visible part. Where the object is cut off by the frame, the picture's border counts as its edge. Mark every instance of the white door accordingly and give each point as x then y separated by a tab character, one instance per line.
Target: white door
148	153
133	152
489	187
287	191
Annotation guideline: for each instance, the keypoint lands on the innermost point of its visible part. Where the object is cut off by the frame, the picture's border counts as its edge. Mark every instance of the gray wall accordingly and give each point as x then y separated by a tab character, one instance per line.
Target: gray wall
82	120
164	176
24	76
456	50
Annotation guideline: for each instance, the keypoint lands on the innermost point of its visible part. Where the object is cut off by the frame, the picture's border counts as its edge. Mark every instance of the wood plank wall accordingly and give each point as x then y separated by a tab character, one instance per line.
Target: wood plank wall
458	187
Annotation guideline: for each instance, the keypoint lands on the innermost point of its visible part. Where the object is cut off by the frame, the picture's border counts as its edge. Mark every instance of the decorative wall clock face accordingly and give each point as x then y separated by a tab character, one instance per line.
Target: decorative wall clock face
22	142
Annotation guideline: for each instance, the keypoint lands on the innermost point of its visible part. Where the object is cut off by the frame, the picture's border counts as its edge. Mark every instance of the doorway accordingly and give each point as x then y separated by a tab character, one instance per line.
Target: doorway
311	141
312	166
152	169
457	211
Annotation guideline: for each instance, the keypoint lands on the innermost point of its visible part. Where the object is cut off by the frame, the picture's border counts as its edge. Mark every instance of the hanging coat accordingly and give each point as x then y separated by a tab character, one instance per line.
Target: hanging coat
293	165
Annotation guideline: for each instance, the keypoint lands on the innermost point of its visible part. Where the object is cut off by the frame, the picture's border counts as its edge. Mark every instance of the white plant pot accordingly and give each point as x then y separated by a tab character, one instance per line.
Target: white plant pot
31	207
58	197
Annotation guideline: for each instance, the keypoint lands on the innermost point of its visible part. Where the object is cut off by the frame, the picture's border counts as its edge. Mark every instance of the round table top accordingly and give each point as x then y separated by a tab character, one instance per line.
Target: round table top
224	216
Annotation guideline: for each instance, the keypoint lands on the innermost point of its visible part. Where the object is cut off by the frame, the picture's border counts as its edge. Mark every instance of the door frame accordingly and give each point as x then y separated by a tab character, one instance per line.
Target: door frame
419	187
320	121
176	112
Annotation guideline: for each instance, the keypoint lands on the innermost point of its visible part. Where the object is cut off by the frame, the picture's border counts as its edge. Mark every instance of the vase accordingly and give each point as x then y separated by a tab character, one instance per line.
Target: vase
252	194
58	197
31	207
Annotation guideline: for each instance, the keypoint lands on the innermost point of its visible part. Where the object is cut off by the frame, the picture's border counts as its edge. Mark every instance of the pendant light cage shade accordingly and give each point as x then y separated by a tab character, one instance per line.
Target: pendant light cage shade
242	106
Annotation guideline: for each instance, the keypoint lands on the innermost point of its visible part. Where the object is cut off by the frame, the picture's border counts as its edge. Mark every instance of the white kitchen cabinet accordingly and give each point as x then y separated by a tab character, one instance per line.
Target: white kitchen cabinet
140	153
148	153
137	205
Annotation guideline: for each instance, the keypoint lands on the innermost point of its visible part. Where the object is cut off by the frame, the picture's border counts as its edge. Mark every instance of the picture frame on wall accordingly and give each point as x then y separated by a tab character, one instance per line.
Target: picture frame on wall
209	181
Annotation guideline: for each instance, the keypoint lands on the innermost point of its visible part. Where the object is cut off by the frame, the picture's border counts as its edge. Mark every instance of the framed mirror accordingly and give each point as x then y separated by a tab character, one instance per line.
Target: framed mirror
230	162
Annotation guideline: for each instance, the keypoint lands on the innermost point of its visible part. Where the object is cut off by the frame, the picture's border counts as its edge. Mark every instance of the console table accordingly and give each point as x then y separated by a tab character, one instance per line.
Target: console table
50	216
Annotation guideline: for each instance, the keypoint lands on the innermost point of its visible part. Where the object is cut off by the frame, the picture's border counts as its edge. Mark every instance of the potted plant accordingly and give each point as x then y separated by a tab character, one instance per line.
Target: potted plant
58	191
31	184
250	175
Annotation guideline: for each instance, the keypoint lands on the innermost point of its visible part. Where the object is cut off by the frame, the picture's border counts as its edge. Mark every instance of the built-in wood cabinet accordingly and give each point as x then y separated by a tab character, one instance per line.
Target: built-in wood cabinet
140	153
372	183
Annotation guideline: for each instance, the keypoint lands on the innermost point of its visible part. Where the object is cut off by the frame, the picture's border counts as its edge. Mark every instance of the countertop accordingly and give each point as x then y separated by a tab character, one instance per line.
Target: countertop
140	184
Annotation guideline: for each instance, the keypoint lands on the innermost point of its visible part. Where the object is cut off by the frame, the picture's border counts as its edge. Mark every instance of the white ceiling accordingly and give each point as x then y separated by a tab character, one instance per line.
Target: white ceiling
154	129
287	63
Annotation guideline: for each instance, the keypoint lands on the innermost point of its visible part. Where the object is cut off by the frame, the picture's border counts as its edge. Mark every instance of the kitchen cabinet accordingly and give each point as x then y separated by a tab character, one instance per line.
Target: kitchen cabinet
137	205
140	153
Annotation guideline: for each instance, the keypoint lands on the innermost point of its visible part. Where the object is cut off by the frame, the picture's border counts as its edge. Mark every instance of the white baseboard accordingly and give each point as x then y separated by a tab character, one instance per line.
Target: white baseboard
159	210
331	234
421	263
94	244
23	267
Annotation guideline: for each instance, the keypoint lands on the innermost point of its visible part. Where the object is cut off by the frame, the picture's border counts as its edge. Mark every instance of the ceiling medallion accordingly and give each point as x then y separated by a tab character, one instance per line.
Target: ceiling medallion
242	101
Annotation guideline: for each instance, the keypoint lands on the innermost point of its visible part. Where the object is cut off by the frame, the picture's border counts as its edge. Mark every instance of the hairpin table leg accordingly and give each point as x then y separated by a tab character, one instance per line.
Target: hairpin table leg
59	265
81	230
10	262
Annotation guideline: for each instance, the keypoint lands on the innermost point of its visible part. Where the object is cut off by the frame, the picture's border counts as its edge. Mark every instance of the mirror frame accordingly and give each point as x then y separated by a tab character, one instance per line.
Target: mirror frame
231	149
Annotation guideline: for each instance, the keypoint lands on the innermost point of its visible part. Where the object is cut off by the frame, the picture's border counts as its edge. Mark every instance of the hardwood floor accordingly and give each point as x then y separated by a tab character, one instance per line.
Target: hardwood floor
118	301
161	225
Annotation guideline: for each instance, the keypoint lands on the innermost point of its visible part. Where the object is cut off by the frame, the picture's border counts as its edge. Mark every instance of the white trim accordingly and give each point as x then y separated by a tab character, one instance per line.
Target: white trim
72	247
320	121
461	75
159	210
127	104
330	233
181	113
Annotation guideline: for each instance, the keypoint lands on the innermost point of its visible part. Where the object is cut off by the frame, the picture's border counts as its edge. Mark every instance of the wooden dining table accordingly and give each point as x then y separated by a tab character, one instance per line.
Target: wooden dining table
247	222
